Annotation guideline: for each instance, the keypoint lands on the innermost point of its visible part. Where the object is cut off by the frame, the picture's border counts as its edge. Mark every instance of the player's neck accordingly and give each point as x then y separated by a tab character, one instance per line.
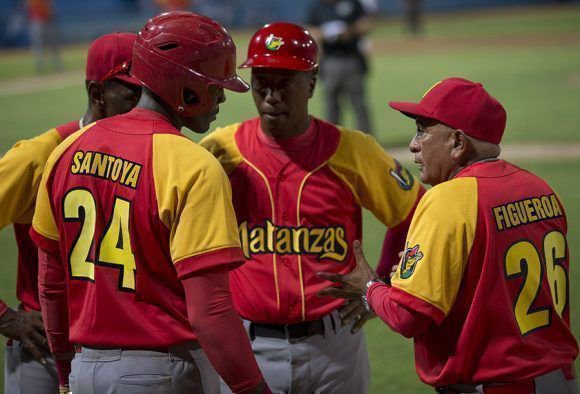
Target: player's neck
149	102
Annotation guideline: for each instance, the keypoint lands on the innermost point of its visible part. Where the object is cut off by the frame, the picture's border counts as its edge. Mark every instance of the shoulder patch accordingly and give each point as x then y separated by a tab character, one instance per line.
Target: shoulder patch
410	260
403	177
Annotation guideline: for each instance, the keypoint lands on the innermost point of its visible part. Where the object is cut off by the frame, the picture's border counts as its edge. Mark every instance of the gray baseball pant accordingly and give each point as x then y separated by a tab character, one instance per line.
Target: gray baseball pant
336	362
24	375
182	369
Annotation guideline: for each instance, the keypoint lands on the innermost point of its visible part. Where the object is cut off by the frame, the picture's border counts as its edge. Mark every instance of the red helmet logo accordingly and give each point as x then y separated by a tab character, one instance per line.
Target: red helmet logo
274	43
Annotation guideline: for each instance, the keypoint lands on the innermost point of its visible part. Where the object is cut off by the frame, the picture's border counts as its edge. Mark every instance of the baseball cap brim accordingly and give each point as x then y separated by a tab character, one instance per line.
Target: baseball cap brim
412	110
127	78
282	62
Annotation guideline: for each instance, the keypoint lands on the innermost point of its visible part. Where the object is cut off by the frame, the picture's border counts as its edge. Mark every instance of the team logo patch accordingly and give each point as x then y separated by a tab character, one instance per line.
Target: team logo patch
274	43
402	176
410	260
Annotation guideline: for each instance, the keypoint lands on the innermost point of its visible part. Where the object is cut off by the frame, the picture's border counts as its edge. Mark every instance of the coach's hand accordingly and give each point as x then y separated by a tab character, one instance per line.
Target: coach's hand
355	281
27	328
355	311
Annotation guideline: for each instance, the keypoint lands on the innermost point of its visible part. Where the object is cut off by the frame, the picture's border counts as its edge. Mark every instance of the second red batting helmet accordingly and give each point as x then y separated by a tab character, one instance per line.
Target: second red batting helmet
178	54
282	45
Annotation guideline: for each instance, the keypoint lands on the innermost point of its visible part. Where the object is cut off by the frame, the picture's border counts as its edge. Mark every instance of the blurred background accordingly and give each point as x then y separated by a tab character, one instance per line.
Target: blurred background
525	52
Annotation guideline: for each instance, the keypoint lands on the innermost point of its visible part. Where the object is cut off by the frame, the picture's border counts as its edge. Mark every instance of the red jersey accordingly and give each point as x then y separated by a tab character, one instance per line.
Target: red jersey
298	204
132	205
487	260
21	169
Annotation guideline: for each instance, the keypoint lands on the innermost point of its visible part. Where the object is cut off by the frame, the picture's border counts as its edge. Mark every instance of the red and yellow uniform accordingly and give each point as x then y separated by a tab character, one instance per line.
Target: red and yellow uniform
486	274
298	206
21	169
132	205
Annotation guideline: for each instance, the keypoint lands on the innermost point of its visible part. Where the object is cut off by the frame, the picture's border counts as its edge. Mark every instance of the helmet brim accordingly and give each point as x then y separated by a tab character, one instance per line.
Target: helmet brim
235	84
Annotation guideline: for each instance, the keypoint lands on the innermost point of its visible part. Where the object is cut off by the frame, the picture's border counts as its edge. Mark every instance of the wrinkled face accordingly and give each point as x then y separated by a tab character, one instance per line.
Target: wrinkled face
281	98
200	123
119	97
432	147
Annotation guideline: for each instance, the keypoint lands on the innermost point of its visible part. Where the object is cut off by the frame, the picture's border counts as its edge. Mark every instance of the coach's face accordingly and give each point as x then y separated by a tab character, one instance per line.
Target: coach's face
119	97
433	149
281	98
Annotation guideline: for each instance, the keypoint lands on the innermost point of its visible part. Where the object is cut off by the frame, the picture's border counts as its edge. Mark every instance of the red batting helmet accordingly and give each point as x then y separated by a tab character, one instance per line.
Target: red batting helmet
282	45
179	52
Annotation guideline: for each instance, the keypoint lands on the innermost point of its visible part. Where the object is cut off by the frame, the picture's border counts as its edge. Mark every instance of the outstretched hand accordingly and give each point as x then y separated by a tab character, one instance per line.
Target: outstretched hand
352	288
27	328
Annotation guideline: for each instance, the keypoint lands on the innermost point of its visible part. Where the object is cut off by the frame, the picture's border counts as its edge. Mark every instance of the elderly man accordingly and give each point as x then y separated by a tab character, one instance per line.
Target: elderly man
482	285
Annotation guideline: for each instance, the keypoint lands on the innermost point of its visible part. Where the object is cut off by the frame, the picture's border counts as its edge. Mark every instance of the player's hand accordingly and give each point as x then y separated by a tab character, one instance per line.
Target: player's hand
355	311
27	328
358	277
394	270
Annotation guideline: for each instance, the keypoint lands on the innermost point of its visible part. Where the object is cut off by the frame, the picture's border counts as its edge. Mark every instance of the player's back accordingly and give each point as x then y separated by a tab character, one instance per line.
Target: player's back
510	319
123	287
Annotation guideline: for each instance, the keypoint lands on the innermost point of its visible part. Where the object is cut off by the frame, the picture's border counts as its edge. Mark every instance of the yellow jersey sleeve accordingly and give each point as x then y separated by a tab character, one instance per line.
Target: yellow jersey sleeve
21	171
439	243
43	222
194	200
377	180
222	144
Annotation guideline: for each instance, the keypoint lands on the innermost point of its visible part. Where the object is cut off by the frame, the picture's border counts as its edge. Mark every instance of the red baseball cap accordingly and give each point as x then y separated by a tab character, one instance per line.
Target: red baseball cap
110	56
462	105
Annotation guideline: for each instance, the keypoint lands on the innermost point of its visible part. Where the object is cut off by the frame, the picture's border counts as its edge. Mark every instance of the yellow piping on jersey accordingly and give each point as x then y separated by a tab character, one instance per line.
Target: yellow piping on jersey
273	220
298	224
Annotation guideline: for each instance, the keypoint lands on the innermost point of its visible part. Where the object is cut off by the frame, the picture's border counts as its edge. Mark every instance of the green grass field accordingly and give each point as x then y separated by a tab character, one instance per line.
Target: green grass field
528	58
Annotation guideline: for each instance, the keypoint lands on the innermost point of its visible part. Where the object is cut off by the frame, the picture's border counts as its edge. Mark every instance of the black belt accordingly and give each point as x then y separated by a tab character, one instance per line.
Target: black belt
292	332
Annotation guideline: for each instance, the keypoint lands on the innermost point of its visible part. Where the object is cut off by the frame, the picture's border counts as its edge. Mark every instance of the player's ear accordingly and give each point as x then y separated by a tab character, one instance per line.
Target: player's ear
313	80
460	145
96	92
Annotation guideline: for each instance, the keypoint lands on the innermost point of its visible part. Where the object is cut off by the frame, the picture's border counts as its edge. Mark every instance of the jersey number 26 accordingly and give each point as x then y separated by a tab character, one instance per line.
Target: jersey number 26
523	259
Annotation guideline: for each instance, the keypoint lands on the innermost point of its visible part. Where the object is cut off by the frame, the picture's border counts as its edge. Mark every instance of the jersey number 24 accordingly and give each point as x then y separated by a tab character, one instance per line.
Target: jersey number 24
114	248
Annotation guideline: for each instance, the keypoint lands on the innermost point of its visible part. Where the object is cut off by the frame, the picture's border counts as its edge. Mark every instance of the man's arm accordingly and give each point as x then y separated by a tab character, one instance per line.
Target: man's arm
220	331
54	304
394	242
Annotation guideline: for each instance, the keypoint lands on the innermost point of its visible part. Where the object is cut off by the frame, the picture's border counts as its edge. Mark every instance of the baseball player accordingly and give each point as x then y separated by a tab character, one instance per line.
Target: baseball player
137	231
299	184
483	284
29	368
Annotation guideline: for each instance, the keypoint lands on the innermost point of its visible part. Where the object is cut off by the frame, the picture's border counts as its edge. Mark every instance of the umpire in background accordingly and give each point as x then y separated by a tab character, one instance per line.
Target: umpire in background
340	26
483	284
